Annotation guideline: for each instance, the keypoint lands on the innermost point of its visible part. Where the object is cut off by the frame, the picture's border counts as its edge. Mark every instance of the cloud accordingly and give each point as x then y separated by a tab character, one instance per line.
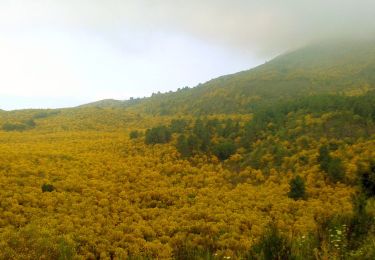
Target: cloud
257	26
93	49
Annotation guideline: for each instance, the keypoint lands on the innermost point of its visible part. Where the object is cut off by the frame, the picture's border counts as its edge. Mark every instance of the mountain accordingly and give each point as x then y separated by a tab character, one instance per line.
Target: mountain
344	68
327	67
104	103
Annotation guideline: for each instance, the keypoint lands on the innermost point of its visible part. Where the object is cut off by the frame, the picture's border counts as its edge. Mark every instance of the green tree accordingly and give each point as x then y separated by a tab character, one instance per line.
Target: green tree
182	146
193	143
158	135
203	133
224	150
297	188
335	170
178	125
272	245
367	181
324	158
48	187
134	134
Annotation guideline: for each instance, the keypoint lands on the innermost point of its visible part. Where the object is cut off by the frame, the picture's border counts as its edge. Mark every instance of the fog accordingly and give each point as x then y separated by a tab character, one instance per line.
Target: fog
264	26
90	49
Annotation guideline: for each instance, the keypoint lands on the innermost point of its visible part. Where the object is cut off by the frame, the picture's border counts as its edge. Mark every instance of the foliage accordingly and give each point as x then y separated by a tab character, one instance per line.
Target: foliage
134	134
331	165
183	146
14	127
324	158
158	135
178	125
367	181
35	242
360	223
224	150
297	188
47	187
272	245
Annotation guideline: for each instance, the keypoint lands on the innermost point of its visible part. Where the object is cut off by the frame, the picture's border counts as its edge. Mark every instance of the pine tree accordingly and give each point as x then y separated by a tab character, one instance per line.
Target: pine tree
324	158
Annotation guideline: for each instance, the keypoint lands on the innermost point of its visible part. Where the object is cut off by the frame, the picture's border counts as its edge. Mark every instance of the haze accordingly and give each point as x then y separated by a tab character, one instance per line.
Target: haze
65	53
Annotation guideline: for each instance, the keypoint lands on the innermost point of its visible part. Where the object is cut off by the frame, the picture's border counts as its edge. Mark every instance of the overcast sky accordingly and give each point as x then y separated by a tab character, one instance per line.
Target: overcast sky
57	53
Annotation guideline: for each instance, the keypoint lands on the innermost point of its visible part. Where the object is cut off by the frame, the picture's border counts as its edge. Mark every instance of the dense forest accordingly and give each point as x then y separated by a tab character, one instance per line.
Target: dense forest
277	162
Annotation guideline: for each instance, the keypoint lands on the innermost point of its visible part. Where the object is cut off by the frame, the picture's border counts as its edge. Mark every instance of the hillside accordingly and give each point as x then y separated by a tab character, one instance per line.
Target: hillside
272	163
320	68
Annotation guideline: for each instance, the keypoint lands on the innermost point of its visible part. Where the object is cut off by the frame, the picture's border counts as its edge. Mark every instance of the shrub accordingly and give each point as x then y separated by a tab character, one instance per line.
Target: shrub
335	170
14	127
182	146
178	125
367	181
297	188
272	245
134	134
48	187
158	135
35	242
324	158
331	165
224	150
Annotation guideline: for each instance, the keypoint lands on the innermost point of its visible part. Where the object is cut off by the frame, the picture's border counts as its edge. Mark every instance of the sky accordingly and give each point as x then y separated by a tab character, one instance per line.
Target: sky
61	53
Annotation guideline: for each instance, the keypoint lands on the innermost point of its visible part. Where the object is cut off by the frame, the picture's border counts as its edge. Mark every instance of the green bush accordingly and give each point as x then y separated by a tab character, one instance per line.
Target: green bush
183	147
331	165
158	135
367	181
335	170
297	188
272	245
224	150
134	134
48	187
14	127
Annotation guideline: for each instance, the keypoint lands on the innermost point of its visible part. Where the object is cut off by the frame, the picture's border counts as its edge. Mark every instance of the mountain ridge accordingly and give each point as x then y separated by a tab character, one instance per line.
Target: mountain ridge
319	68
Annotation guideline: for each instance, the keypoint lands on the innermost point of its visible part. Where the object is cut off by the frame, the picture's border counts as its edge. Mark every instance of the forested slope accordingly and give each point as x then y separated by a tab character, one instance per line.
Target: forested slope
330	67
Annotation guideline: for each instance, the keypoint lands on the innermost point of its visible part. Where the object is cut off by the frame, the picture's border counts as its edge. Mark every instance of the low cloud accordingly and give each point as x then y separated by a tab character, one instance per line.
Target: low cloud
265	27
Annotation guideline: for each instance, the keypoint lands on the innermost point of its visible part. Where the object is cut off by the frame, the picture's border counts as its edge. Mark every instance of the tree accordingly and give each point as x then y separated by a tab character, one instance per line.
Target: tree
193	143
335	170
158	135
224	150
324	157
272	245
297	188
331	165
367	181
134	134
178	125
203	133
48	187
182	146
14	127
